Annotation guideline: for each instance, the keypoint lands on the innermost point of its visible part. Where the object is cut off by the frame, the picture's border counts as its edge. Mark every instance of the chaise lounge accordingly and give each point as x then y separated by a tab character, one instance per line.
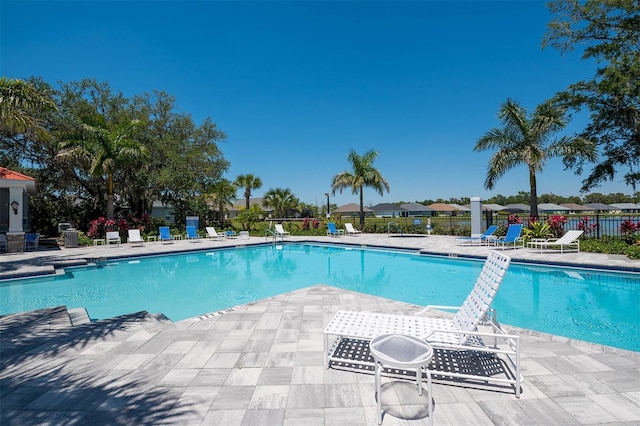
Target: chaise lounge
460	351
487	237
568	242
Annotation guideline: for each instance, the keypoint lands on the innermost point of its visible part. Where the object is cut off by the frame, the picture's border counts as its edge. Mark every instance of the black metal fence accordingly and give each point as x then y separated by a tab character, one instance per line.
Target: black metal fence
594	225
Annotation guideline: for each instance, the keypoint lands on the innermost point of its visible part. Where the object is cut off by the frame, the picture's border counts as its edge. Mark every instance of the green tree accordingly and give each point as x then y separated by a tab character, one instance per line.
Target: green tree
105	147
21	105
249	182
249	217
362	174
527	140
222	193
610	32
280	200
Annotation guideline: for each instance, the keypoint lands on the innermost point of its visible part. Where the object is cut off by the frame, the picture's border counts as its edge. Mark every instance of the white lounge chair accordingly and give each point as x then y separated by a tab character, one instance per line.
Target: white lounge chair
113	237
568	242
457	340
350	230
279	230
133	237
211	233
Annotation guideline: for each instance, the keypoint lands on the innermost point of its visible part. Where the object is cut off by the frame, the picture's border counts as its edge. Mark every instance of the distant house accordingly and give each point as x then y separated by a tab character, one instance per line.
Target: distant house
575	208
599	207
241	203
551	208
166	212
15	191
626	207
389	210
416	209
351	209
492	207
445	209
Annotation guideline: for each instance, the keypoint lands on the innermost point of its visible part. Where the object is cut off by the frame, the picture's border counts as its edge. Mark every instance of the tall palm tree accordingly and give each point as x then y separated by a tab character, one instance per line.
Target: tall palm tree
280	200
363	174
105	147
223	192
249	182
528	140
20	102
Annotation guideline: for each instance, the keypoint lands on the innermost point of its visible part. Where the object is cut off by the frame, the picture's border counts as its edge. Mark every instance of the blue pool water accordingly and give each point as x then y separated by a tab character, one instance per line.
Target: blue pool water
583	304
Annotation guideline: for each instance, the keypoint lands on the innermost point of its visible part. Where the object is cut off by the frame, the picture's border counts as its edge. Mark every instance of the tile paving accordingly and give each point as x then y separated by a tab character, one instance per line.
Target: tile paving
262	363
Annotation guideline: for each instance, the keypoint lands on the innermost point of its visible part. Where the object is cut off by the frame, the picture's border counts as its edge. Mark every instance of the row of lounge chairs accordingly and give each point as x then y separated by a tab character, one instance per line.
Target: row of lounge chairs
513	239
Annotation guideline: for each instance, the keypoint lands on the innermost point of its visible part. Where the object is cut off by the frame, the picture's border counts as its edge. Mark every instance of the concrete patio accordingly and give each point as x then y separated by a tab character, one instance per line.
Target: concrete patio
262	363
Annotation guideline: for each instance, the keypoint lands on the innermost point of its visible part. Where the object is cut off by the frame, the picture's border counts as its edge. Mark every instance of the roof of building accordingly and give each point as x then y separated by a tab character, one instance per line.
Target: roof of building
13	175
350	208
416	207
517	208
551	207
598	206
574	206
494	207
385	207
442	207
626	206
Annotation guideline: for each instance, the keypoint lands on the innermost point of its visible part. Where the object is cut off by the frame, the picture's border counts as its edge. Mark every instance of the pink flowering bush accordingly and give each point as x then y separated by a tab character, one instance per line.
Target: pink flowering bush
628	229
99	227
557	223
587	227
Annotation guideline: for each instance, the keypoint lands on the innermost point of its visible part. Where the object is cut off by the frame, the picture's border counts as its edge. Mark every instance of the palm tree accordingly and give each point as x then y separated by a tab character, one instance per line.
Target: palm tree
248	182
19	102
527	140
280	200
223	192
363	174
106	148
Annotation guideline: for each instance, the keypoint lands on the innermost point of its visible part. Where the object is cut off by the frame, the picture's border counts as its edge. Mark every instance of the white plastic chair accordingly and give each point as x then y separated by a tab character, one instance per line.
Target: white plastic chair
351	230
134	237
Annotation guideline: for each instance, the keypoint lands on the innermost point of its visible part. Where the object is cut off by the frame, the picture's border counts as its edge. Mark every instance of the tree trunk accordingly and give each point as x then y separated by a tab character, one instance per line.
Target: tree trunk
109	196
361	208
534	194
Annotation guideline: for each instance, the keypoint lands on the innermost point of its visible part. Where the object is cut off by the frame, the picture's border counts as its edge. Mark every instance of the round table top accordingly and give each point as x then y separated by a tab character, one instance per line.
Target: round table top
398	350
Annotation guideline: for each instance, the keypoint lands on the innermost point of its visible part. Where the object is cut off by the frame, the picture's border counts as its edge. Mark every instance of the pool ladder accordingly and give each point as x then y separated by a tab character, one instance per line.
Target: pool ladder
269	233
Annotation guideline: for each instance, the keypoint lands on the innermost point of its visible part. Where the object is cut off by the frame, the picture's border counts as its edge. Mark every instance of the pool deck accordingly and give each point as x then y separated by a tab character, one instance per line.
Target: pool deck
262	363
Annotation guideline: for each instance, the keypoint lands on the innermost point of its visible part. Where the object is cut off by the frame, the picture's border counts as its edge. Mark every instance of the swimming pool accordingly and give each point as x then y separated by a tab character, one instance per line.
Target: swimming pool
589	305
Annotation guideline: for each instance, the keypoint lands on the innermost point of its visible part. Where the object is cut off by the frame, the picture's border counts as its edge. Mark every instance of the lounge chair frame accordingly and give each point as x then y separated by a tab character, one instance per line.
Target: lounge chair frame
332	230
512	240
568	242
456	339
211	233
113	237
279	231
192	234
486	238
350	230
134	238
165	234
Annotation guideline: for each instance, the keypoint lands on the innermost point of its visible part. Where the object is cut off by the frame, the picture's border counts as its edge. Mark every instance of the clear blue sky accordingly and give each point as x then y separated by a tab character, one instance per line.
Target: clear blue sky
296	85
